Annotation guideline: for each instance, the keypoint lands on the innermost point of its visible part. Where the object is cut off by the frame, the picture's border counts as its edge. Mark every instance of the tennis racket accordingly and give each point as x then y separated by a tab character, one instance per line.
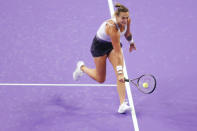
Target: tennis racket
145	83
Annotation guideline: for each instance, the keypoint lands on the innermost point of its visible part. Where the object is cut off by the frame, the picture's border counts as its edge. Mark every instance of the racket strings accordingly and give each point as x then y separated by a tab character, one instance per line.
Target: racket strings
149	81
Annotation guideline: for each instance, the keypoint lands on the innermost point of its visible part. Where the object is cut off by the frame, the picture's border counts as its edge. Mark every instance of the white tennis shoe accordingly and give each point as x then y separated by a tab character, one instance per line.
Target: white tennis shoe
78	72
124	107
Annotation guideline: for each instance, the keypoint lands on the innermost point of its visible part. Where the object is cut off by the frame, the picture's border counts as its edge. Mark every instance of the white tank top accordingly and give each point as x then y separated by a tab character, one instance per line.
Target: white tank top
101	34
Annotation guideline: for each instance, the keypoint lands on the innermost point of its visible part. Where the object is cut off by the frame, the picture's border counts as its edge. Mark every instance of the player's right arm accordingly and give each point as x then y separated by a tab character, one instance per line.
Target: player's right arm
115	38
114	34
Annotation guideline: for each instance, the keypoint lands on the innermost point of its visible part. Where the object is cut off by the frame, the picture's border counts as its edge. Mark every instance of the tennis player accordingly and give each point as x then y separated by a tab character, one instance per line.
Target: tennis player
106	44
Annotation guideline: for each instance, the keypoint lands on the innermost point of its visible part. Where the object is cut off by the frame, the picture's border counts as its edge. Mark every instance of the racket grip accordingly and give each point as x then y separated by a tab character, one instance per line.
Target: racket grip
126	80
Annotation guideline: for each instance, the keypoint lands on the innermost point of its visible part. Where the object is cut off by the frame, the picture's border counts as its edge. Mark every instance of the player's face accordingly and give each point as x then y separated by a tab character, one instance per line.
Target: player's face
123	18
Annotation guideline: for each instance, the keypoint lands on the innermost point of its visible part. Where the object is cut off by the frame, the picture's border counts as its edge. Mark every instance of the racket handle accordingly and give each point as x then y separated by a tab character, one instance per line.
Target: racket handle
126	80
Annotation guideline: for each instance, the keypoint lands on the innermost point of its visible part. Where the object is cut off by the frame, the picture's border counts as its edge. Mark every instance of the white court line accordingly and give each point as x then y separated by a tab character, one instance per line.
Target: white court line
133	114
28	84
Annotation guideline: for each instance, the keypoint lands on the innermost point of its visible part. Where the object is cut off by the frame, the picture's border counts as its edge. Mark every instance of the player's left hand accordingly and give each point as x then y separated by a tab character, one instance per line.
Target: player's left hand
132	47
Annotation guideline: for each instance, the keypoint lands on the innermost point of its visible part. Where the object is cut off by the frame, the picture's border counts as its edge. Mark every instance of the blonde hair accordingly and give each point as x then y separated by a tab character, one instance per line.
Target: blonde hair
120	8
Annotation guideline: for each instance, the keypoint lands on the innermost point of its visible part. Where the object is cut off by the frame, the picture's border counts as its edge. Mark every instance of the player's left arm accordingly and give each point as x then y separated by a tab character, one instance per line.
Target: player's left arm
128	36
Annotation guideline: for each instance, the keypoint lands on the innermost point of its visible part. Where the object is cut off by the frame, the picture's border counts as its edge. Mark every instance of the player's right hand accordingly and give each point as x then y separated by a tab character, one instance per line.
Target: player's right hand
121	78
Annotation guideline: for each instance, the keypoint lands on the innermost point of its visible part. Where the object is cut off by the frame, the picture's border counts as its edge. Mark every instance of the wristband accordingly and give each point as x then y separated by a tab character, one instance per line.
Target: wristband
120	72
119	69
